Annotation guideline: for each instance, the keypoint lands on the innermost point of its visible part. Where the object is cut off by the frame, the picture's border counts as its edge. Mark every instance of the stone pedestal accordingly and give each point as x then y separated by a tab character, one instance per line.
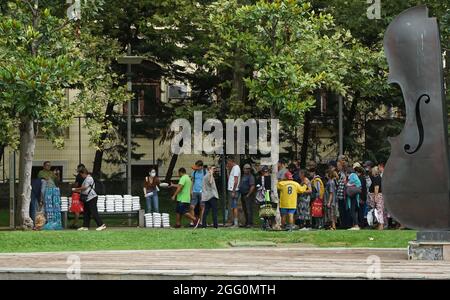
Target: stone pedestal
430	245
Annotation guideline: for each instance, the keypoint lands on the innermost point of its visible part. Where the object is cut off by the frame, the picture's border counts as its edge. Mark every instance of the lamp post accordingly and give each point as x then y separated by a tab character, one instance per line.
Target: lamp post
341	125
129	60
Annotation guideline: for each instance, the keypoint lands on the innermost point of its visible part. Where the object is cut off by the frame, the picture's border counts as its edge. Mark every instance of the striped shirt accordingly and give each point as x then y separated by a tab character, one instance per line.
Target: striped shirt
341	186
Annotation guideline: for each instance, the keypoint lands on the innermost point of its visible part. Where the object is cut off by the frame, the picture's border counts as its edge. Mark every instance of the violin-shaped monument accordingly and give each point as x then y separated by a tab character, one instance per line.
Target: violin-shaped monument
416	180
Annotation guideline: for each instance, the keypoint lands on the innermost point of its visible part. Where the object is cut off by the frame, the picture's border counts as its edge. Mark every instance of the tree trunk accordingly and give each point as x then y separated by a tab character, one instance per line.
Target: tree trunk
349	120
2	151
97	168
173	162
305	143
98	160
27	146
238	85
275	181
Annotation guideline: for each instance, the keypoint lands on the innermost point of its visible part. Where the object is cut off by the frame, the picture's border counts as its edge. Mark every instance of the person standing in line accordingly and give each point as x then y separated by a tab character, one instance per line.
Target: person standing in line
89	199
368	173
388	220
247	189
51	177
376	197
289	190
233	189
363	196
183	197
317	196
282	169
196	189
352	203
294	171
340	193
332	165
330	198
48	178
210	196
151	189
304	205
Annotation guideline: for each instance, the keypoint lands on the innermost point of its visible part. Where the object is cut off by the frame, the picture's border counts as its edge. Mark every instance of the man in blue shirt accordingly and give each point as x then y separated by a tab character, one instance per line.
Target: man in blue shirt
197	189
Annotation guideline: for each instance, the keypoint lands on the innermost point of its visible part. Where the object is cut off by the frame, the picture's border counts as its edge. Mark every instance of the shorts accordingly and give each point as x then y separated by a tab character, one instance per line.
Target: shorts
196	199
182	208
286	211
233	201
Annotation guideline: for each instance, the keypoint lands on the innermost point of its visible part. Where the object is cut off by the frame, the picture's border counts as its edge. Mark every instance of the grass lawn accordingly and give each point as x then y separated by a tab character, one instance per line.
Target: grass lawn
143	239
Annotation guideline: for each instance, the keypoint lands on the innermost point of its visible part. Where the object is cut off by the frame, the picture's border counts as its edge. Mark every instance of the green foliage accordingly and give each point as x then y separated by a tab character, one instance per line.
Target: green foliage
38	62
367	77
292	51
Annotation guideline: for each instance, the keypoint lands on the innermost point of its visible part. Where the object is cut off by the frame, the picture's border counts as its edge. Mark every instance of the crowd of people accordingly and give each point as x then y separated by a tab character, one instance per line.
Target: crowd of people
341	195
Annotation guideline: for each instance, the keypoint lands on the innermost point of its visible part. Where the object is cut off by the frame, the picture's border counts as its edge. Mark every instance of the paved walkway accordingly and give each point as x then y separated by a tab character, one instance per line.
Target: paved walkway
231	263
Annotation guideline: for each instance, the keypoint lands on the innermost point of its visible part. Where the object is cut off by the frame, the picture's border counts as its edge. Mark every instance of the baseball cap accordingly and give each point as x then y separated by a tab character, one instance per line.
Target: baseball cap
288	175
265	169
198	165
247	166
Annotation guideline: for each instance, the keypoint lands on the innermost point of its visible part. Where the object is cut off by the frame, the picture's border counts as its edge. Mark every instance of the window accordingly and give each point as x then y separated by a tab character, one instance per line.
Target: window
146	99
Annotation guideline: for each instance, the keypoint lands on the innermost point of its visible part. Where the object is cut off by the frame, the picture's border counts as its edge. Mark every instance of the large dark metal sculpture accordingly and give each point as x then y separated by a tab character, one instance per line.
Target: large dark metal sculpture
416	180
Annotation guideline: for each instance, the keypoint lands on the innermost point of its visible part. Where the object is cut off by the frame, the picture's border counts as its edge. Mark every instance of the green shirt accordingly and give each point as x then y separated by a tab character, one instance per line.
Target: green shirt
184	195
49	176
44	174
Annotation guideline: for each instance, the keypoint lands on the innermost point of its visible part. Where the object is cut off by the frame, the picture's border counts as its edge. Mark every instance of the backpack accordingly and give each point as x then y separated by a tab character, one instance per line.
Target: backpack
321	193
195	172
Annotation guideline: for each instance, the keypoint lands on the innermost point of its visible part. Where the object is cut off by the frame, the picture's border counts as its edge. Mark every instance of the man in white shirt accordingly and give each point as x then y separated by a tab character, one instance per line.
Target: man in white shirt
233	189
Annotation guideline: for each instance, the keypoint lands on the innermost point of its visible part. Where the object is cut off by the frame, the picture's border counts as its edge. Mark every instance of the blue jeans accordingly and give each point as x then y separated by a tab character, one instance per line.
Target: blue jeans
152	203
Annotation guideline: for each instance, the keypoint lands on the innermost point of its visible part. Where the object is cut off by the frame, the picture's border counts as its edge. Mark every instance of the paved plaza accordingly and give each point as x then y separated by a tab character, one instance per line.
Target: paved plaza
231	263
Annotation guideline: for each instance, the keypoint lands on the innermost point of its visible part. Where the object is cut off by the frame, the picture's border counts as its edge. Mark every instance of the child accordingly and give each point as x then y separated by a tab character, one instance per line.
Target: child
289	189
317	198
330	198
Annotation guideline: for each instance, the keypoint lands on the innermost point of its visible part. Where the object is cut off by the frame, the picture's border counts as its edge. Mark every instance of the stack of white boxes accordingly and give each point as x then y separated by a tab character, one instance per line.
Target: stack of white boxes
101	203
64	204
148	220
156	220
127	203
165	220
110	199
118	203
136	203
